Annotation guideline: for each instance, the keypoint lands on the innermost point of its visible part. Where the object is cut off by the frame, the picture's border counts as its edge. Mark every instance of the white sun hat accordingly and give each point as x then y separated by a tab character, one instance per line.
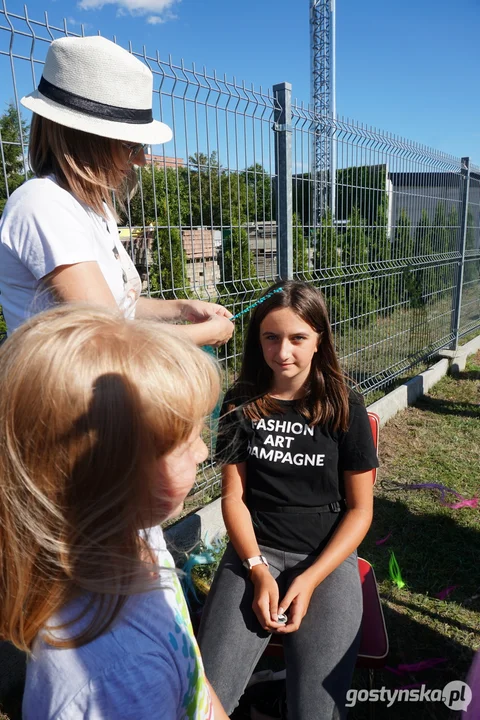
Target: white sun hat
92	84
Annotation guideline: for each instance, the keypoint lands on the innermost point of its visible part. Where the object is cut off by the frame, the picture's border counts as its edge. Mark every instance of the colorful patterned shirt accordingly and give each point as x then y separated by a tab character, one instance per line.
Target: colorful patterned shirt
146	665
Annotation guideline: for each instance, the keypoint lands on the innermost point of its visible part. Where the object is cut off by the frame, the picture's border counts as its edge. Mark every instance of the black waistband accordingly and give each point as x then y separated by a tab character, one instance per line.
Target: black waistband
92	107
334	507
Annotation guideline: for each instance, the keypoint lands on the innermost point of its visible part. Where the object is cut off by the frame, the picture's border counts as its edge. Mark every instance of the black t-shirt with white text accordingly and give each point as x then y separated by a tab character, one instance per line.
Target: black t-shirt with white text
294	471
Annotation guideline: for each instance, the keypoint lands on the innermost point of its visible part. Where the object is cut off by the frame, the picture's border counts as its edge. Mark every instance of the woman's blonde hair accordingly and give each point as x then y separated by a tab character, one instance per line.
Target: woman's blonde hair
90	166
88	403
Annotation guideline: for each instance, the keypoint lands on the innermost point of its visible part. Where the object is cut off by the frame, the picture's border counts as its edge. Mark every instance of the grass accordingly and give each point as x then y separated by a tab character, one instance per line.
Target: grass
437	440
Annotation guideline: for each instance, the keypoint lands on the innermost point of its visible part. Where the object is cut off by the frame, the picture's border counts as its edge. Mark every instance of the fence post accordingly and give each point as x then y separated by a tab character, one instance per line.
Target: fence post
461	263
282	128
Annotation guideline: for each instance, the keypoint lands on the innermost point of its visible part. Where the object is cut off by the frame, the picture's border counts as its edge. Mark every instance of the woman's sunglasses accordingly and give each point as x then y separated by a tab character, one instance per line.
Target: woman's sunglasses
135	149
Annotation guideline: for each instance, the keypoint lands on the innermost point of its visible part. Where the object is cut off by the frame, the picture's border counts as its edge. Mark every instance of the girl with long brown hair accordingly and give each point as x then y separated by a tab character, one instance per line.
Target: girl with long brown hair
89	467
297	454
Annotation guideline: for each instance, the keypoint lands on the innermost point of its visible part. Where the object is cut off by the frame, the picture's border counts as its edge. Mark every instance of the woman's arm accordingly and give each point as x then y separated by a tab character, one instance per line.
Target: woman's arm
84	282
238	522
346	538
211	322
195	311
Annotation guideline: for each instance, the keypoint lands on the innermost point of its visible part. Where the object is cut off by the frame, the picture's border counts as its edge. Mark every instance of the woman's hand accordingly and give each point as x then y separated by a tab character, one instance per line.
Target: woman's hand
296	602
217	330
212	322
265	602
197	311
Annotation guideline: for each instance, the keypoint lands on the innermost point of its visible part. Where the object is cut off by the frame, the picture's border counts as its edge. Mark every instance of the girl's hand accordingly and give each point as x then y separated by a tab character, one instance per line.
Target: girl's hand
265	603
296	602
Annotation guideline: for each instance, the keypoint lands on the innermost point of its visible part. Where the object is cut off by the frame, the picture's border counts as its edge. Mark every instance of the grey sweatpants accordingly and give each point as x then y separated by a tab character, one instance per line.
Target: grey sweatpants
320	656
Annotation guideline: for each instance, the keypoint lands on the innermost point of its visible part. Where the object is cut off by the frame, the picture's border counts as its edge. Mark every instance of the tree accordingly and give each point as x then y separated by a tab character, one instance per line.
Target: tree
202	194
202	161
220	197
361	187
472	265
359	287
423	241
328	260
381	263
159	205
199	183
403	242
440	234
404	250
168	271
238	285
416	281
472	231
237	266
328	250
454	229
440	240
302	197
160	198
259	193
12	129
301	261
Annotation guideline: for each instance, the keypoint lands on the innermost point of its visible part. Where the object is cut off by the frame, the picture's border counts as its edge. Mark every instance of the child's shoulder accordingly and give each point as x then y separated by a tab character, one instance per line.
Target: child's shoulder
149	637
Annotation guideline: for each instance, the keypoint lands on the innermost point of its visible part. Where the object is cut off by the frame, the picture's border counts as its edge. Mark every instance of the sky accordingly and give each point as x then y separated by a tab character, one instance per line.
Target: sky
408	67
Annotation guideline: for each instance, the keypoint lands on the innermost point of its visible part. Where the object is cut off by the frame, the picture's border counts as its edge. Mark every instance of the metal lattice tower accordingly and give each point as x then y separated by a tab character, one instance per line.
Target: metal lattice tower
322	29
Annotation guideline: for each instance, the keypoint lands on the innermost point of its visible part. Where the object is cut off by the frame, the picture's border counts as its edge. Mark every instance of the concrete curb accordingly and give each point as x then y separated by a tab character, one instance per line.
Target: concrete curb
405	395
458	358
207	524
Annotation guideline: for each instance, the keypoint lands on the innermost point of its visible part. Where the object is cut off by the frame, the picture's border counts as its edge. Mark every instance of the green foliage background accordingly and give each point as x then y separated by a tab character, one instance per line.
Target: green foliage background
363	270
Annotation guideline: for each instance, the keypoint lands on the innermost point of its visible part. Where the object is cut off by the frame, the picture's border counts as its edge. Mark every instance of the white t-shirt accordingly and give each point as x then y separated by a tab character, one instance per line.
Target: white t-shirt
43	227
147	665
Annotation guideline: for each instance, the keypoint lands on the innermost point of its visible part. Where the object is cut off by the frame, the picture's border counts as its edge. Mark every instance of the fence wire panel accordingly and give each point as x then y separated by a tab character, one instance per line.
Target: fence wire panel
379	230
385	230
470	289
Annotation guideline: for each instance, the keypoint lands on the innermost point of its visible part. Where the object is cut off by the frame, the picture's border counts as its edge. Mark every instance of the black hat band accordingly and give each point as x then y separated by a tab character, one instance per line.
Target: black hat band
92	107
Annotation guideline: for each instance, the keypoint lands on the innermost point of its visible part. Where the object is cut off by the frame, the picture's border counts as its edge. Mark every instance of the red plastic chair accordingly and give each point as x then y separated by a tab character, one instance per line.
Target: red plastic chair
374	641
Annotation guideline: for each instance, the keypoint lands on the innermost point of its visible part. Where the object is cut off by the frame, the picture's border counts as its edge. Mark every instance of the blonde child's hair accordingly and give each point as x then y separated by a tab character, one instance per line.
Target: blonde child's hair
88	402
